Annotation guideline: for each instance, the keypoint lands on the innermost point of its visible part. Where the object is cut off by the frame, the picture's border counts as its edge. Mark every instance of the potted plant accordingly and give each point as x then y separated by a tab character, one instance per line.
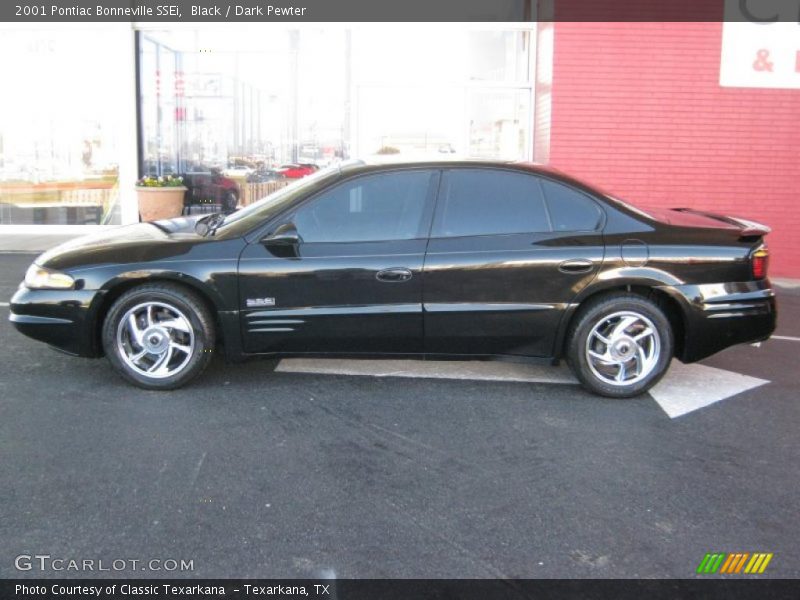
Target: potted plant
160	197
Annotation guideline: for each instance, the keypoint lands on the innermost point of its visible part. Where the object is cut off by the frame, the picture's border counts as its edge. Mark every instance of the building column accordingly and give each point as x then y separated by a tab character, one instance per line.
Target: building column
129	138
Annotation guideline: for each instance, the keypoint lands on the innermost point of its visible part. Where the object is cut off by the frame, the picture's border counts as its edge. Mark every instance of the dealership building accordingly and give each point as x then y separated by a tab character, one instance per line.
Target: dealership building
663	114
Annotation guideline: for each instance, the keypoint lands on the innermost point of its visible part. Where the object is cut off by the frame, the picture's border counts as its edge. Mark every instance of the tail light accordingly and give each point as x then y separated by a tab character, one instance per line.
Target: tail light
760	262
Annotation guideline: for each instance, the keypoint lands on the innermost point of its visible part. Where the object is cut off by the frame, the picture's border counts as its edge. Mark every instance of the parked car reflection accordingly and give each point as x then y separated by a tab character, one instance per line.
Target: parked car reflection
210	191
264	174
297	170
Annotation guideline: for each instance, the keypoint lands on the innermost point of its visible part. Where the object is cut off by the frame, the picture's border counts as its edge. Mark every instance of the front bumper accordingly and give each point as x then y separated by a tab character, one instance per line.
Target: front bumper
720	315
64	319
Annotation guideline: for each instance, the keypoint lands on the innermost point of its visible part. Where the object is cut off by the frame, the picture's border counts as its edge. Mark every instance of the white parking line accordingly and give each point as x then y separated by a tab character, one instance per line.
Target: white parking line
786	338
684	389
4	304
435	369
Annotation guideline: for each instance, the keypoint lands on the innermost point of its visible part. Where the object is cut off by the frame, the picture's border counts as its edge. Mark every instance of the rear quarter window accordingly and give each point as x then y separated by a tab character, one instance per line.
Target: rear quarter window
570	210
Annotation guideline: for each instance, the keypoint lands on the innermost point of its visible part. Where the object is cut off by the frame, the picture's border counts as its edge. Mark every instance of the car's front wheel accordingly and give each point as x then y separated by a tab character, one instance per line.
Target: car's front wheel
159	336
620	345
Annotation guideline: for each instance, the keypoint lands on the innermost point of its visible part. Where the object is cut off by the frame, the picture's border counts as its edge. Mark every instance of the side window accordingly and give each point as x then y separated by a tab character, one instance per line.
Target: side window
489	202
381	207
570	210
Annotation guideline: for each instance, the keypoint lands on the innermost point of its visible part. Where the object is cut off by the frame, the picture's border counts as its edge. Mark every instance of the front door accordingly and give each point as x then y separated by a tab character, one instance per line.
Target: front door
508	251
353	283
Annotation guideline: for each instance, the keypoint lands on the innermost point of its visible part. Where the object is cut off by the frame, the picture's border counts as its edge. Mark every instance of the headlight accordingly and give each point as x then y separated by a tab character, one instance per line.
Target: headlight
39	278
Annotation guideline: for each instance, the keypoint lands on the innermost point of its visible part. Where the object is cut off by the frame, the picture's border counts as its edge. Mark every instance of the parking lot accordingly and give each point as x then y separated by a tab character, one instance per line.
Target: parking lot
373	470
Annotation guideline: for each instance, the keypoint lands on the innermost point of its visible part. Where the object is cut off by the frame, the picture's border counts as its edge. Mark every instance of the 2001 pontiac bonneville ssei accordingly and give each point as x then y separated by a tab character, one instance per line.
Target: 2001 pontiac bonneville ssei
429	259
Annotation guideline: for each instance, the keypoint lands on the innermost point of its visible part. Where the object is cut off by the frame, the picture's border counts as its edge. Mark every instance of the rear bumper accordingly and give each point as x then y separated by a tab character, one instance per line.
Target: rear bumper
720	315
63	319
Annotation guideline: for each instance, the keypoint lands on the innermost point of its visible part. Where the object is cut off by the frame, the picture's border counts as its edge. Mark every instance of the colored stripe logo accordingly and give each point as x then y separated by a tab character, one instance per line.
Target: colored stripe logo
734	563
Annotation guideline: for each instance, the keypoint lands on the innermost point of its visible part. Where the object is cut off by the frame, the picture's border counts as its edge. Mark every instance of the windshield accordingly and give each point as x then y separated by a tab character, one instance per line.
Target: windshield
250	217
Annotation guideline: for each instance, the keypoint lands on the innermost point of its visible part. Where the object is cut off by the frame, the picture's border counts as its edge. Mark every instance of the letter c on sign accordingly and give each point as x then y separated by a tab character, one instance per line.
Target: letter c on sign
23	562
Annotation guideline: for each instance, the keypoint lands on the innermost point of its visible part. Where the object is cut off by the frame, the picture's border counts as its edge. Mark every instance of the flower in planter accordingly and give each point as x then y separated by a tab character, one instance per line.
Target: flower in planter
160	197
163	181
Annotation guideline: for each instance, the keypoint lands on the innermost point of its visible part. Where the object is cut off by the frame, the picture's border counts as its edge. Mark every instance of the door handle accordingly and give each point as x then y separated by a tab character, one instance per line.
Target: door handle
576	266
394	275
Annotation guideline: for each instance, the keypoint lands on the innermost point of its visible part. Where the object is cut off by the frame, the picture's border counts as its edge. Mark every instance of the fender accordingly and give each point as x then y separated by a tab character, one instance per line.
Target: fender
206	290
227	315
608	280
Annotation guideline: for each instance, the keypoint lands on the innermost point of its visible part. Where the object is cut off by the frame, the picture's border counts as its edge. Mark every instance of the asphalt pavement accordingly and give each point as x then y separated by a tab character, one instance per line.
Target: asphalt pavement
252	472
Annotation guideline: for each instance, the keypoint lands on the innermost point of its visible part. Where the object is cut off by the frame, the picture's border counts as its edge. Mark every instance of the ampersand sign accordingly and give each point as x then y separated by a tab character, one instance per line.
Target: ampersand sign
762	62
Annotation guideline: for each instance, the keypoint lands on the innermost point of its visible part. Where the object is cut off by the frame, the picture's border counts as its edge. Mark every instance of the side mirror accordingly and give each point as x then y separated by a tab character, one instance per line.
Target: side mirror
284	235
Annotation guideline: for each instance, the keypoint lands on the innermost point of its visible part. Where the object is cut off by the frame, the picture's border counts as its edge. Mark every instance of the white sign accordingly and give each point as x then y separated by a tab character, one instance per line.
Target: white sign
758	49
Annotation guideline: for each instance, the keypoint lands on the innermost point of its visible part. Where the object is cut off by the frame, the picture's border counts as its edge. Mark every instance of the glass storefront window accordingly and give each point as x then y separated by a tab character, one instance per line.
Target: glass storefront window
499	123
441	54
220	100
245	103
499	56
453	92
234	105
59	130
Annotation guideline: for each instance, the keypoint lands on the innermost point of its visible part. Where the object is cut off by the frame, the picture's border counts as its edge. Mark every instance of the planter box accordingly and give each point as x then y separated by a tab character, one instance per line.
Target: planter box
157	203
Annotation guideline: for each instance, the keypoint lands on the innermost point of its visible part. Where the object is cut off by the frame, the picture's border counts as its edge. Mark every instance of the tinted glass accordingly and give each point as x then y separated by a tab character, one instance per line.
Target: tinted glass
570	210
389	206
490	202
245	220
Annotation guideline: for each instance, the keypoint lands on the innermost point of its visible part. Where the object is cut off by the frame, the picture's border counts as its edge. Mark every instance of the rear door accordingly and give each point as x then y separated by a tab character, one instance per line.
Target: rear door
508	251
353	284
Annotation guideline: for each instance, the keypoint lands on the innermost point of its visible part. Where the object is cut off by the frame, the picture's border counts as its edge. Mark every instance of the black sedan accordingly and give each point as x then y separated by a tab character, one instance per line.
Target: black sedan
468	259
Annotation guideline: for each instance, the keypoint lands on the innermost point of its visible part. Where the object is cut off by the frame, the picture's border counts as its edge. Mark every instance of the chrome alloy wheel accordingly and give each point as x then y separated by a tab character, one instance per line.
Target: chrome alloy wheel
155	339
623	348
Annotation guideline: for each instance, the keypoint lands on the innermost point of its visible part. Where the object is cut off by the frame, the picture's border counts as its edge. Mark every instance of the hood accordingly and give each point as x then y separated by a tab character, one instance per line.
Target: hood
126	244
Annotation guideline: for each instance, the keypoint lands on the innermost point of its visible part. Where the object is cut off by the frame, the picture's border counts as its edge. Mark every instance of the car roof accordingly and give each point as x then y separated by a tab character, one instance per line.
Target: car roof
377	164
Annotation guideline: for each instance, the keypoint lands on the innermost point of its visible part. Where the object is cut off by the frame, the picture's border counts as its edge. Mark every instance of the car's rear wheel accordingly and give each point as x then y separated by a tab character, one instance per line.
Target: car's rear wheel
620	345
159	336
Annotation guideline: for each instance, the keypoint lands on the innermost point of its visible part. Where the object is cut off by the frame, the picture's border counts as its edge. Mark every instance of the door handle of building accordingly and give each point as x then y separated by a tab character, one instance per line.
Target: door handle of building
576	266
394	275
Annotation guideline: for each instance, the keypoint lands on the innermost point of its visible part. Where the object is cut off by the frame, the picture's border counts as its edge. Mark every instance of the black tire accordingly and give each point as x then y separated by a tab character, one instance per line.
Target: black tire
183	302
608	314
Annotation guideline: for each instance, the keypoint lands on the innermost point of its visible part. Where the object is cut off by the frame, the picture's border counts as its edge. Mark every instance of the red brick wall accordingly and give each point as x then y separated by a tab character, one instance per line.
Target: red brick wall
637	109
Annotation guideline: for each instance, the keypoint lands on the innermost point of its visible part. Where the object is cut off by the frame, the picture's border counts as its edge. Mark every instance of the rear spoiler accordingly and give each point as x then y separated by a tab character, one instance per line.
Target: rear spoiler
746	228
